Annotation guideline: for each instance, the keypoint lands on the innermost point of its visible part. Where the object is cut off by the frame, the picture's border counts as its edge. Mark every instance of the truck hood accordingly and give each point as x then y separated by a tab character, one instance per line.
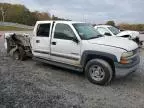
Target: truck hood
133	34
117	42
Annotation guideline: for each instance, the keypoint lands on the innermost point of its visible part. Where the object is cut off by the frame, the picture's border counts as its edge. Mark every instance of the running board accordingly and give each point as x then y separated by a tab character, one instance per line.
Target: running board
58	64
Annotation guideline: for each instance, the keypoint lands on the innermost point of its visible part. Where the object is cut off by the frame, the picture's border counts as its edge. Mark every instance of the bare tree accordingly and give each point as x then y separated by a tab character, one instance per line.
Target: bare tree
3	14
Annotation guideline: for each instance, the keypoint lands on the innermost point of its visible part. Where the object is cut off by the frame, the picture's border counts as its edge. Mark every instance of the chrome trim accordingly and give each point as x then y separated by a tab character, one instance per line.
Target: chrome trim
64	56
44	52
57	55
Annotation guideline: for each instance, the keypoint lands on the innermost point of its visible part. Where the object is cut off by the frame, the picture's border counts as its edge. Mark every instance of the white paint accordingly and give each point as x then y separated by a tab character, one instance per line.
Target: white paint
69	48
132	34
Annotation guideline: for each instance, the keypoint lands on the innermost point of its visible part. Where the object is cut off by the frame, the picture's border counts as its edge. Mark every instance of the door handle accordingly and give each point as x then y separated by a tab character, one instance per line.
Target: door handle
37	41
53	43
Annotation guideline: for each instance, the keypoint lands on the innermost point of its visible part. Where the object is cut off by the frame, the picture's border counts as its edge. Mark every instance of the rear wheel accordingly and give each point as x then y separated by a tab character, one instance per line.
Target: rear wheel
98	71
19	54
22	53
7	45
16	55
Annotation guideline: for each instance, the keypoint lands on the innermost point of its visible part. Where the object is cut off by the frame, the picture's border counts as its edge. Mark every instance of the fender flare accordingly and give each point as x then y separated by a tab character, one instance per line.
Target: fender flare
98	54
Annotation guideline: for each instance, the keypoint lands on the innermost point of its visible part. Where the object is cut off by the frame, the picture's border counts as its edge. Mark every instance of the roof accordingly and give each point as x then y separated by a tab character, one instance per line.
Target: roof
58	21
103	26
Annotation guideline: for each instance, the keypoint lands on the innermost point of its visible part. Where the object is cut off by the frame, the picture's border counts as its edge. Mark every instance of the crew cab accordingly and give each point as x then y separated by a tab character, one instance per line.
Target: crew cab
108	30
78	46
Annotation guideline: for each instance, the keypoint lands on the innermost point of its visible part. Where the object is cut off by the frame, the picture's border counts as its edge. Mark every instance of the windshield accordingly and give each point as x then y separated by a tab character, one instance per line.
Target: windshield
86	31
114	30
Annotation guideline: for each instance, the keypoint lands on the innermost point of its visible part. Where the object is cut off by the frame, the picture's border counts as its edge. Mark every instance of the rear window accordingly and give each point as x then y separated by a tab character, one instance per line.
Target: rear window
43	30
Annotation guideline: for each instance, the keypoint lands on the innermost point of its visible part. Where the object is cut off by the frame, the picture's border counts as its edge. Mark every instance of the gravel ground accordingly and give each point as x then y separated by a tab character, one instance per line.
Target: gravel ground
30	84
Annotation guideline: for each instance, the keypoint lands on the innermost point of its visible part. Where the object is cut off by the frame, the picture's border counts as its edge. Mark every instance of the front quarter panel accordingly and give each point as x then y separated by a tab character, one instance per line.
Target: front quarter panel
108	51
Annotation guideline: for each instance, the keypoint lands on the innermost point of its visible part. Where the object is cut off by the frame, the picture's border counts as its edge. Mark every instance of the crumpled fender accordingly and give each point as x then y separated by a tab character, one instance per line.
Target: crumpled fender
133	34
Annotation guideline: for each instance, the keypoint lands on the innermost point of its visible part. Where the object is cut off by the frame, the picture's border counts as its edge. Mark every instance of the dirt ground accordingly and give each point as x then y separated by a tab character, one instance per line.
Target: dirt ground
30	84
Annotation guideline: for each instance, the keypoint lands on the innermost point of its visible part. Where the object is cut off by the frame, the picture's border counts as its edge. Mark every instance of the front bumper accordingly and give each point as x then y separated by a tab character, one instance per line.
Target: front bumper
122	70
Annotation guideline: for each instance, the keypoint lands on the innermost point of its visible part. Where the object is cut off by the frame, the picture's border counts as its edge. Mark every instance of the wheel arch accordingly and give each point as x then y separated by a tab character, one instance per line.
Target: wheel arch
89	55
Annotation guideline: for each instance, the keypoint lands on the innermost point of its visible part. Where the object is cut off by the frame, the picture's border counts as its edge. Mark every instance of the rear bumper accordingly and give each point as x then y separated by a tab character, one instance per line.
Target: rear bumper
122	70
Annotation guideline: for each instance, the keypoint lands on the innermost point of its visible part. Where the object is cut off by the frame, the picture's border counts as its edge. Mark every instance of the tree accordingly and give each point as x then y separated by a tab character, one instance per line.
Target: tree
20	14
57	18
3	14
3	10
112	23
42	15
137	27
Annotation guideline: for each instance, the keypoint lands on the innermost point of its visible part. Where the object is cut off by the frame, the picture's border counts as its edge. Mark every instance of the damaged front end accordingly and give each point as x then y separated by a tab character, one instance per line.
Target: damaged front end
137	40
18	46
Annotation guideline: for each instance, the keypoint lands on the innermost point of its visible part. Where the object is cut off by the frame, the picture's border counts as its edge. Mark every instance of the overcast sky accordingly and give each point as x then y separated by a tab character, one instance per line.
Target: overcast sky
95	11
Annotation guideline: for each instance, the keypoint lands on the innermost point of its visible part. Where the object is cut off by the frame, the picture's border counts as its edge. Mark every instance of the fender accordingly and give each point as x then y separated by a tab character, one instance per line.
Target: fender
97	54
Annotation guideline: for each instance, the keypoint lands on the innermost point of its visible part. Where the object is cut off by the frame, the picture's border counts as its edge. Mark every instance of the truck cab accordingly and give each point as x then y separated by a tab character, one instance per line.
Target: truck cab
57	41
78	46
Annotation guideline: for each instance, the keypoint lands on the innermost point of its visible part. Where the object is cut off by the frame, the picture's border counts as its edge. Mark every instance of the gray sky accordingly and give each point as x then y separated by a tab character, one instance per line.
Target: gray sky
95	11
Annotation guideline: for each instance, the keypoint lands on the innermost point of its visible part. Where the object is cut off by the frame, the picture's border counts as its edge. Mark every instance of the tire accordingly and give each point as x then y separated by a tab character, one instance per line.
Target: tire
22	54
16	55
98	71
19	54
7	46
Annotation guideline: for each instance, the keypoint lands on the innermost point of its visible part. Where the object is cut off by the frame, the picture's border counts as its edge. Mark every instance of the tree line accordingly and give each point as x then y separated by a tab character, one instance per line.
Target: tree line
137	27
20	14
124	26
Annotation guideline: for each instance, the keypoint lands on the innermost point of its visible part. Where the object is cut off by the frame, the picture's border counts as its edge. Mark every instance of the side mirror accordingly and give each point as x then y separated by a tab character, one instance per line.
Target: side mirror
107	34
75	40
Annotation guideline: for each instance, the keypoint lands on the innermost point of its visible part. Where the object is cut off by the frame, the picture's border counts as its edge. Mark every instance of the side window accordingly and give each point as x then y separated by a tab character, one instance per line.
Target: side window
102	30
43	30
63	31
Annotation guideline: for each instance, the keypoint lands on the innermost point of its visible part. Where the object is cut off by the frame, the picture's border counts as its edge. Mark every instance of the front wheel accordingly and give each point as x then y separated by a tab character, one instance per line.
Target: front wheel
98	71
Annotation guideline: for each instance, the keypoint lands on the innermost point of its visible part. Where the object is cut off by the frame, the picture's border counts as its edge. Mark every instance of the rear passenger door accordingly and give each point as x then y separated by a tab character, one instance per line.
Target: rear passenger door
63	48
42	40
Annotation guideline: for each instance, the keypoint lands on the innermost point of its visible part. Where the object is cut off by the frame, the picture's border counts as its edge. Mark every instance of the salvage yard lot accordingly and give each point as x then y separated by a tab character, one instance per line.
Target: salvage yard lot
30	84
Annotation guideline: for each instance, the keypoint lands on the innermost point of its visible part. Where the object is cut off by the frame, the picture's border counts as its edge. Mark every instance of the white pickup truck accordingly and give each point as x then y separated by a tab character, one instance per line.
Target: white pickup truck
77	46
108	30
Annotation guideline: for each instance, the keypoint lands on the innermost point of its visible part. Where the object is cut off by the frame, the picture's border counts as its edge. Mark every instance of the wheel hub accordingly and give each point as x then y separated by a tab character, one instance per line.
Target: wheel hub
97	72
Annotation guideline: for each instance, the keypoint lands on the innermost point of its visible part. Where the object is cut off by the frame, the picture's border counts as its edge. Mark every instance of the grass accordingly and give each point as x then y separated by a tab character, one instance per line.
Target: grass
11	28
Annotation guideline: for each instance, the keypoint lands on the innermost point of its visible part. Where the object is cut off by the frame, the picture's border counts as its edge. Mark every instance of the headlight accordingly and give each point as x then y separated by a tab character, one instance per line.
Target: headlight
127	54
125	57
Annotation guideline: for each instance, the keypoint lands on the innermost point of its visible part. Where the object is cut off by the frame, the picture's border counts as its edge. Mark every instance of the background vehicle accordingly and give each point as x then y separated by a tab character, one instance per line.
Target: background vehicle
78	46
108	30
